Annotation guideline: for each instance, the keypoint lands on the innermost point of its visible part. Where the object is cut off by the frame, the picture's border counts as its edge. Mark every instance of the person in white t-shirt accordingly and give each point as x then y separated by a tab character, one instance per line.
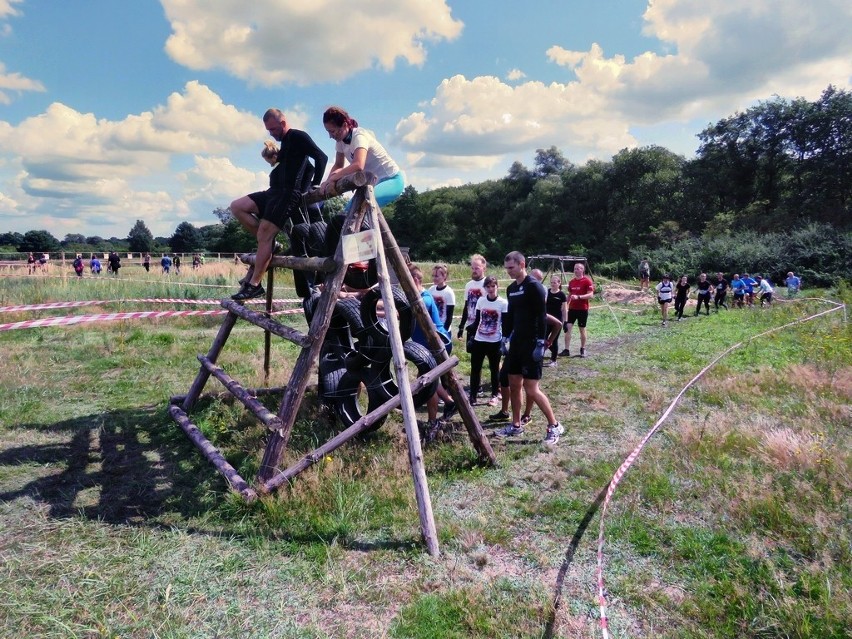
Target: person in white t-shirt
444	296
473	290
486	337
665	291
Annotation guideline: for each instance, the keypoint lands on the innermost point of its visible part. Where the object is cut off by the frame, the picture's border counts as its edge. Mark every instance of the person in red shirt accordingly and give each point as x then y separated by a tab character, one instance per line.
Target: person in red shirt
580	290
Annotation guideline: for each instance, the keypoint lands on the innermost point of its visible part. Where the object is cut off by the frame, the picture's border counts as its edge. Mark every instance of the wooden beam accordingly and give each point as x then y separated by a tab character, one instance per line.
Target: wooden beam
266	323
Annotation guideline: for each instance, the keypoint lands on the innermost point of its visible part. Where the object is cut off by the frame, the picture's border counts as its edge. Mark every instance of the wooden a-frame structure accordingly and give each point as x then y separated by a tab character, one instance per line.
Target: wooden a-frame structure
280	424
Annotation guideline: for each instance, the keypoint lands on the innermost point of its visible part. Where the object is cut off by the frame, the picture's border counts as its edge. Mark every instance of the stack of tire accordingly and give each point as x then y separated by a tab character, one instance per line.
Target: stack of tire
356	356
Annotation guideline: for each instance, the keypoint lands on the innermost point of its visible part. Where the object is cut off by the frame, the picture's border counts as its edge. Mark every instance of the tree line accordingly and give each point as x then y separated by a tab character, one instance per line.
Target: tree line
769	190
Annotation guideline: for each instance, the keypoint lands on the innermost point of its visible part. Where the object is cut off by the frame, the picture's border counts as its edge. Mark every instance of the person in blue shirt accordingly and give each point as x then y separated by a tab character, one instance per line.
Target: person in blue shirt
433	425
738	289
749	283
794	284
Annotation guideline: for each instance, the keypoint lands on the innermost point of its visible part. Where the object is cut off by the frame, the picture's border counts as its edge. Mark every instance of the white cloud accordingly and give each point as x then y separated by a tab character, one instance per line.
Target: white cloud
515	74
269	42
63	164
721	57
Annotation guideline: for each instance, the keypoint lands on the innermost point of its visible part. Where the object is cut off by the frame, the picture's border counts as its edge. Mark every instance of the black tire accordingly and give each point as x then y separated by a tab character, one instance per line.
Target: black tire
370	321
347	403
381	382
316	239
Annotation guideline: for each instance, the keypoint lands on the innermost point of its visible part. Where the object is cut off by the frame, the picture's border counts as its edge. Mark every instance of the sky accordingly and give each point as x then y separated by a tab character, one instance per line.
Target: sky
112	112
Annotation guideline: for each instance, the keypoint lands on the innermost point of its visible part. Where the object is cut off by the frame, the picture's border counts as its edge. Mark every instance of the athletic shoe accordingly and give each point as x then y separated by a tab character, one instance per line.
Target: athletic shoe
494	401
582	352
550	363
500	415
526	419
564	353
449	410
665	323
553	433
277	248
509	430
248	292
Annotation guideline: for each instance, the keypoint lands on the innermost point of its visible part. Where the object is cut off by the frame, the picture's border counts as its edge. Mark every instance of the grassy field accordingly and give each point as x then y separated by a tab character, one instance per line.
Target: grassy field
733	522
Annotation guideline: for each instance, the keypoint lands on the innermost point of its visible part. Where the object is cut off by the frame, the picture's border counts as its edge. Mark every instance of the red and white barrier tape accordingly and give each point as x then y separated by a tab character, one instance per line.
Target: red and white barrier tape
164	300
625	466
108	317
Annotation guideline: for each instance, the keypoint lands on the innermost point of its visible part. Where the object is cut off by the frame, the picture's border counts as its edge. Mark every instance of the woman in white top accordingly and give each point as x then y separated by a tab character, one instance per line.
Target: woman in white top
359	147
664	296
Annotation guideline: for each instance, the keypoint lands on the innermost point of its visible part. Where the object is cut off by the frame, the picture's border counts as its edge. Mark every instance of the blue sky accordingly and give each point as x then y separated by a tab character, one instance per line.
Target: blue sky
116	111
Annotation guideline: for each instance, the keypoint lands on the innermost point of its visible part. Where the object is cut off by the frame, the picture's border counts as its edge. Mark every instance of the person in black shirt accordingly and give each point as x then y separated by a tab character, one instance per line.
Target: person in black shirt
681	295
264	214
721	286
526	322
702	295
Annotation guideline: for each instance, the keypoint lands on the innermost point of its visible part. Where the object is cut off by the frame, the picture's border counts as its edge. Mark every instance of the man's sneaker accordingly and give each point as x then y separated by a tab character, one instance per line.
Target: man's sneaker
494	400
277	248
553	433
550	363
564	353
582	352
248	292
500	415
510	430
449	410
526	419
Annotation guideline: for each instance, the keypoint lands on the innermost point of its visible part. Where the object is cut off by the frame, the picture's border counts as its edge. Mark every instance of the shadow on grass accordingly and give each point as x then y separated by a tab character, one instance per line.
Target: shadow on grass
120	467
569	557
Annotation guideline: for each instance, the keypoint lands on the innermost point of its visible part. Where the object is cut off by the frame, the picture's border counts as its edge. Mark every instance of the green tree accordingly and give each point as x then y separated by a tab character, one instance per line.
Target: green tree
38	241
140	239
185	239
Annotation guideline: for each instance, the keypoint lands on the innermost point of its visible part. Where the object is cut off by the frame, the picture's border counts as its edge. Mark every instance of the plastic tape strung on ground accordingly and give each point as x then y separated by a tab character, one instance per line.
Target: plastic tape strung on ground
108	317
622	470
156	300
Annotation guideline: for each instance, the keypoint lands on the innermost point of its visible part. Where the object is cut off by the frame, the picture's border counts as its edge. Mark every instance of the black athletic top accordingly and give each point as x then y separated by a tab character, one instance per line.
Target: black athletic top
295	148
525	320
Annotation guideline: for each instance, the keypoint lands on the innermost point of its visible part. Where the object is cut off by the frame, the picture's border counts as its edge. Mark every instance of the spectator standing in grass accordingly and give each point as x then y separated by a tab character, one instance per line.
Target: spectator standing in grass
146	262
166	263
702	295
114	263
176	263
473	290
417	335
94	265
557	308
31	262
644	275
681	295
443	295
794	284
665	292
580	290
526	322
78	265
485	338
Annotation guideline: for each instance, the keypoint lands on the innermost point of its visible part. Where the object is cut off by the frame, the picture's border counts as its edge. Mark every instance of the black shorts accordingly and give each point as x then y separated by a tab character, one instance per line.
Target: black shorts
581	317
277	206
520	361
662	301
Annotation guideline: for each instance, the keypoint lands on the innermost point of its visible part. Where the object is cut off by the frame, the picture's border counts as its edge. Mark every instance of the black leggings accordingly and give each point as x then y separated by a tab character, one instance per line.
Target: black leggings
679	305
703	299
478	352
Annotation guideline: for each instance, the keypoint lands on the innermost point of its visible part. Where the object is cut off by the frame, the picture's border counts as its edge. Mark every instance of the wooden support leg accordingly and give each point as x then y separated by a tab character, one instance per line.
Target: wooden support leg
212	355
415	453
451	381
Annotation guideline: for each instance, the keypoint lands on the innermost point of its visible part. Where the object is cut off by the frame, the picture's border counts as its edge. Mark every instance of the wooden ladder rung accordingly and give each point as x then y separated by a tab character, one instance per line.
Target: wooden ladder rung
323	264
270	419
276	328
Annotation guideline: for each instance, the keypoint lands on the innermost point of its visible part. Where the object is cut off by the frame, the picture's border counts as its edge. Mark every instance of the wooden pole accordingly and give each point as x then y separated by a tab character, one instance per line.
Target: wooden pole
412	433
212	355
355	429
451	381
267	336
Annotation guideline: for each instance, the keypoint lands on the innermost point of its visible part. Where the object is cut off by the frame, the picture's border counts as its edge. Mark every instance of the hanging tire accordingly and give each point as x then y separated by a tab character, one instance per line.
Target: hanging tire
348	402
316	239
383	386
374	325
